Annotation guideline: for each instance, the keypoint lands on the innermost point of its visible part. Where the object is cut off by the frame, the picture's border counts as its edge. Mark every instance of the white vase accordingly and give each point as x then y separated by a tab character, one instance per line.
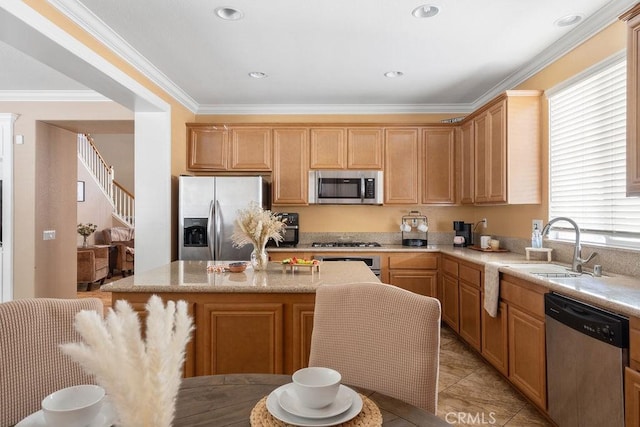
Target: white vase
259	259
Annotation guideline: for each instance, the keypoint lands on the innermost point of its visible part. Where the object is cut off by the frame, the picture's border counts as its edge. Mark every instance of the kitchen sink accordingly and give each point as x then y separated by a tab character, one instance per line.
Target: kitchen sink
544	270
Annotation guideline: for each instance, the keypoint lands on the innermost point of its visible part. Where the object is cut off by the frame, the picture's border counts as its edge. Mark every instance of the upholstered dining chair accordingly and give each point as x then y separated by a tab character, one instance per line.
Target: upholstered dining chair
379	337
31	363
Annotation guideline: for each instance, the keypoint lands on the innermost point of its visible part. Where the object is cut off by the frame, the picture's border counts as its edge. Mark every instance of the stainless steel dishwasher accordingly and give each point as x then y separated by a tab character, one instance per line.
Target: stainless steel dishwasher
587	350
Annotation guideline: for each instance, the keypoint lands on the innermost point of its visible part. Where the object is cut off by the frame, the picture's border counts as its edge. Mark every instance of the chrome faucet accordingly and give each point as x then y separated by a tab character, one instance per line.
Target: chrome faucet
576	265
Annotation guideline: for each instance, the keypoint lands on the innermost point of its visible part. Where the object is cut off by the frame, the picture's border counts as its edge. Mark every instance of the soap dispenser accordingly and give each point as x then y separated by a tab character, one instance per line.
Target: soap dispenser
536	237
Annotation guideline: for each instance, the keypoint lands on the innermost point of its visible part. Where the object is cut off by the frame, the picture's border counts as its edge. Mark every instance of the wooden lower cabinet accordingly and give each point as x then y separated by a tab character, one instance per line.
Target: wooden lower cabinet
631	397
415	272
243	332
470	305
495	340
449	302
527	358
240	338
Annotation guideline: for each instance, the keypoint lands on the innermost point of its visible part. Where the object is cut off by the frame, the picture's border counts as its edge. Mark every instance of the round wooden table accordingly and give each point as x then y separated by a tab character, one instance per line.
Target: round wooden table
227	400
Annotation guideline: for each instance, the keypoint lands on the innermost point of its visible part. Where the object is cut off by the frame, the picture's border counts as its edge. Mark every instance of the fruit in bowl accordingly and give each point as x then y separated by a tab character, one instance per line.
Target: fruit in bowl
237	267
300	261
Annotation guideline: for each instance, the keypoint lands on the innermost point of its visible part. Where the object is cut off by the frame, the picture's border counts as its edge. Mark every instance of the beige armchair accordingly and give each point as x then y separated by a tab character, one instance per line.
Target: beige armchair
93	264
379	337
123	239
32	365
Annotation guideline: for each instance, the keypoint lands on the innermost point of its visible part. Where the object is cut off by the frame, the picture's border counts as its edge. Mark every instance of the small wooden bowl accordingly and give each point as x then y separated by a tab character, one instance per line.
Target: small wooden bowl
237	267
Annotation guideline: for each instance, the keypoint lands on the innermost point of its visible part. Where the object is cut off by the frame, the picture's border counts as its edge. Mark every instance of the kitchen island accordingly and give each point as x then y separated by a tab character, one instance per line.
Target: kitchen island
249	322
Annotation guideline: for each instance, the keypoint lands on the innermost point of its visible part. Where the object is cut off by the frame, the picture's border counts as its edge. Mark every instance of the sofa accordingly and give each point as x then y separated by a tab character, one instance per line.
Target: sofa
93	264
123	240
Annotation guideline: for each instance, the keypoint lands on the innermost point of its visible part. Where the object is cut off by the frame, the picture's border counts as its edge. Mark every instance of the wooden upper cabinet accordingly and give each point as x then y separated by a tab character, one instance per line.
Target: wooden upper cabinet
328	148
212	148
401	166
507	155
465	158
207	148
251	149
632	18
438	174
364	148
346	148
290	166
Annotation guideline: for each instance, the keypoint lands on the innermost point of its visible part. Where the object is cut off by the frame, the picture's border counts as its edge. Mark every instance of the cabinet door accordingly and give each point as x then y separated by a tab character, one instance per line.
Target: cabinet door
207	148
466	160
302	330
481	149
251	149
401	166
290	166
633	102
450	311
470	314
494	339
527	358
631	398
328	148
364	148
438	185
497	153
423	282
240	338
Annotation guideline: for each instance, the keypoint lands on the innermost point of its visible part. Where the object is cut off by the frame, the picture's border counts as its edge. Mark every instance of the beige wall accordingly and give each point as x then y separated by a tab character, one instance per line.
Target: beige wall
118	151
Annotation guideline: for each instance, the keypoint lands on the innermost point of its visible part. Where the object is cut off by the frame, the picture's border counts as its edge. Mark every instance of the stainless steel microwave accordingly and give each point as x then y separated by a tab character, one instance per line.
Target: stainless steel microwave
345	187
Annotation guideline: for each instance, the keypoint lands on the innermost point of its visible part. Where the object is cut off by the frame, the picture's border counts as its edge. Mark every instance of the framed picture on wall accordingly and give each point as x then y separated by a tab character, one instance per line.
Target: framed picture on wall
80	196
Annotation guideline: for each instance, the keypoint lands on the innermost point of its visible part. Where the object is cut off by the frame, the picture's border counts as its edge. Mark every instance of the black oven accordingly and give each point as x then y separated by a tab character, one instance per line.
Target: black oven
291	230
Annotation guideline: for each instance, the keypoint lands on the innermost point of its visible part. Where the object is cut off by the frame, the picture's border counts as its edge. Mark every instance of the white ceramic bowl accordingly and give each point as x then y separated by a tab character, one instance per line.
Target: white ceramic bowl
73	406
316	387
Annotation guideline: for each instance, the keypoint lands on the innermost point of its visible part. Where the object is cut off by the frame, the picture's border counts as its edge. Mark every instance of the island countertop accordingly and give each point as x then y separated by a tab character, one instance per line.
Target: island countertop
192	276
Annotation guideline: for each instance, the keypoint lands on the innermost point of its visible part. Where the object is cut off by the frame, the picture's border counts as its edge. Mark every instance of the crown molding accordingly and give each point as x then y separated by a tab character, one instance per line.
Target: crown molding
52	96
335	109
93	25
604	17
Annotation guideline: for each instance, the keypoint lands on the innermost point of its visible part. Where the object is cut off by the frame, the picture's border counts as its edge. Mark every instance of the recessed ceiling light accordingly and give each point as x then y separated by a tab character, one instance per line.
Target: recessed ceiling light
568	20
257	75
229	13
425	11
392	74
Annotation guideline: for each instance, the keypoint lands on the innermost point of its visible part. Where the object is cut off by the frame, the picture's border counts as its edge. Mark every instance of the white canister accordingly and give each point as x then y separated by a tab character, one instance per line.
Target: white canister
485	242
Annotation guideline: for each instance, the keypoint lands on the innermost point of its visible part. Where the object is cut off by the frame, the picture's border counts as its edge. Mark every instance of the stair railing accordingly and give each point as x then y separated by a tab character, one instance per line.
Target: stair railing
123	202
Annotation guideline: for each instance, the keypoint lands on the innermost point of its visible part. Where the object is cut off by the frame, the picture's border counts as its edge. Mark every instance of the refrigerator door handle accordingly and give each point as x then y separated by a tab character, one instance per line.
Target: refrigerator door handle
218	241
210	234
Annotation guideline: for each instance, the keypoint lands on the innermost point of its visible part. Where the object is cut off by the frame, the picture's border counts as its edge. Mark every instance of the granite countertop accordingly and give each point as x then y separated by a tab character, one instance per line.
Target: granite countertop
192	276
614	292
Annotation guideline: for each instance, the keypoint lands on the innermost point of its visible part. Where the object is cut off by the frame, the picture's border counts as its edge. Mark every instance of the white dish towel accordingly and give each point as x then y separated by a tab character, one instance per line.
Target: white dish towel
491	287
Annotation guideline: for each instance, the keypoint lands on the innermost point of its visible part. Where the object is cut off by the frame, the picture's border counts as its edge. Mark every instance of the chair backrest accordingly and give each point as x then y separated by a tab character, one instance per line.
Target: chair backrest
31	363
379	337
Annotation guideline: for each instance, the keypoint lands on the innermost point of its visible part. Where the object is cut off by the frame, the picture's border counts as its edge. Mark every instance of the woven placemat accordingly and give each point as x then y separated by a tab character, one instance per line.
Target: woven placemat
369	416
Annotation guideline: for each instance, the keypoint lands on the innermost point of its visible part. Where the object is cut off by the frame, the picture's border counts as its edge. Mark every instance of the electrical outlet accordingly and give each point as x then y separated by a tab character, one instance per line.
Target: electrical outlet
485	222
49	235
537	222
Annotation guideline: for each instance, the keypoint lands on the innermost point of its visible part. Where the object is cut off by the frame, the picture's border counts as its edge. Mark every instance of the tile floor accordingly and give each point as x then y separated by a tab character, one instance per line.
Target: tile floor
471	392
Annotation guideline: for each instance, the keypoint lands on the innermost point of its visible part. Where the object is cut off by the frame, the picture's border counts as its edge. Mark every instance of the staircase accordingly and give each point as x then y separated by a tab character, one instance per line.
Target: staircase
121	200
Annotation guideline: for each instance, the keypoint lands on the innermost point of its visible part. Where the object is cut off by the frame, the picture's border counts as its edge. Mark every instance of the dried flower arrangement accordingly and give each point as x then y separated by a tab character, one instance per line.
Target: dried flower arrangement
141	376
86	230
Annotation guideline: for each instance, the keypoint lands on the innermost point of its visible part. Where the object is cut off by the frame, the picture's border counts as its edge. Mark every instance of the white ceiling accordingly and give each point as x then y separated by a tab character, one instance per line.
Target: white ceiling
326	55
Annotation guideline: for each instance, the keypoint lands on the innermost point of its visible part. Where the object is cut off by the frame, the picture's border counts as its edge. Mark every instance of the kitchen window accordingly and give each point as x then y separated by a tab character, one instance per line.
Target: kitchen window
587	148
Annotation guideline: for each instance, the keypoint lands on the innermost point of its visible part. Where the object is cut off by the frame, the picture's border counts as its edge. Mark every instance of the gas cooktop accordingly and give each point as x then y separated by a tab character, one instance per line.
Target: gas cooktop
345	245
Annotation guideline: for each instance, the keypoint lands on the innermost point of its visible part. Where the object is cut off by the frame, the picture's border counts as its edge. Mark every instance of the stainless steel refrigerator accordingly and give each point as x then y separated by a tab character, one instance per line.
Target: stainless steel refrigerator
208	208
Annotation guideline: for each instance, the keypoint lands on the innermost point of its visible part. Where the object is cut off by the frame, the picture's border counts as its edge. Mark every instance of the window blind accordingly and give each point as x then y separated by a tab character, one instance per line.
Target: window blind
587	147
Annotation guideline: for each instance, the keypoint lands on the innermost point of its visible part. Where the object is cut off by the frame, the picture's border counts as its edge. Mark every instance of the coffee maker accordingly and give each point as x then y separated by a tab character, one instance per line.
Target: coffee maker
464	230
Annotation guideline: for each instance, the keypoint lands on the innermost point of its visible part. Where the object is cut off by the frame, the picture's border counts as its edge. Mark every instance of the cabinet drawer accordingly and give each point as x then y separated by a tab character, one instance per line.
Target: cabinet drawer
450	267
523	295
470	275
419	261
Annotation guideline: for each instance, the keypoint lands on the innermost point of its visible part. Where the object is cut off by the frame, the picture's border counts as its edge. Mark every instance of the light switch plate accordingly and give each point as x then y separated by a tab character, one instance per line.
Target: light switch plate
49	235
537	222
